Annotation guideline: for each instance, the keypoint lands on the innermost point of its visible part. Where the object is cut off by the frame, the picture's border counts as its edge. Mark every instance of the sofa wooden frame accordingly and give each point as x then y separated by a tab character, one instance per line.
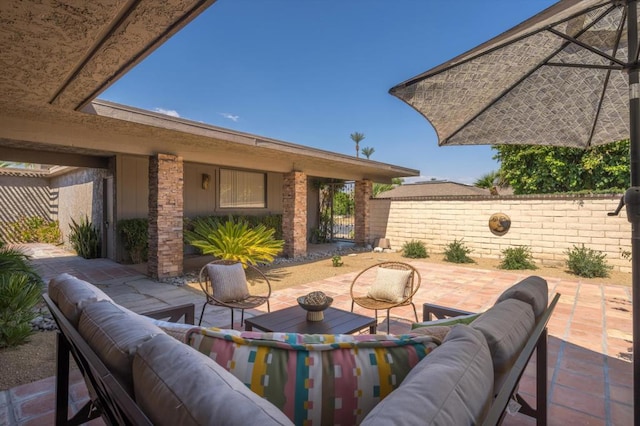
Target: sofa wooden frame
107	397
537	342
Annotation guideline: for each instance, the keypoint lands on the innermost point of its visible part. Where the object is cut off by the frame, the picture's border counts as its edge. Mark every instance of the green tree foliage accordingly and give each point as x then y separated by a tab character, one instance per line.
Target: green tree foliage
544	169
343	204
357	137
367	151
489	180
382	187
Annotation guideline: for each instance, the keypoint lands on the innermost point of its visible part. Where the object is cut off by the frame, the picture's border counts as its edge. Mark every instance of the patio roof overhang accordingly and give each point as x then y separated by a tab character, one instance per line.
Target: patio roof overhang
58	56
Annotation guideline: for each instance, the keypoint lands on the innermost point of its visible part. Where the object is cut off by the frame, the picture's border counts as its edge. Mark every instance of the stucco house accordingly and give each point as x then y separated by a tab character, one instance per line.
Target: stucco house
122	162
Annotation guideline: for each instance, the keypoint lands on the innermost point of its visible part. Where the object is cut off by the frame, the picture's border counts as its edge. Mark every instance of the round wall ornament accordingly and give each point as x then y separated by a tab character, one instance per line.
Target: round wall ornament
499	224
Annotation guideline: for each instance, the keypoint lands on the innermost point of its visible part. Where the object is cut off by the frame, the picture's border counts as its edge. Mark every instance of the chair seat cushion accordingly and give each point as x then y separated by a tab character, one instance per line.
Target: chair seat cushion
229	282
390	285
323	379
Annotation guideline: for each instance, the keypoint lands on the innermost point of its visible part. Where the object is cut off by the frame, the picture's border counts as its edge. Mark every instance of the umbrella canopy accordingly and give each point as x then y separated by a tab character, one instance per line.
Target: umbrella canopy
555	79
566	77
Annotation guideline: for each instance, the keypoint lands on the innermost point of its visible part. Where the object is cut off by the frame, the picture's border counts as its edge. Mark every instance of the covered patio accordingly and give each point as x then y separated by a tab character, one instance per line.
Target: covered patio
590	380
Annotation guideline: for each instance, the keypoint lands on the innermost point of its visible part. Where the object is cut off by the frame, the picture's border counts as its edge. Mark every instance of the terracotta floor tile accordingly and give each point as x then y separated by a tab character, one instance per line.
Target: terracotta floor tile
621	414
563	416
591	402
34	407
580	382
621	394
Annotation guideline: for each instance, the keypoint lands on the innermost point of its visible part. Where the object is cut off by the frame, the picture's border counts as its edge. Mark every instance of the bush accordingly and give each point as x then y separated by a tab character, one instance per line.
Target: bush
85	238
587	263
234	240
35	229
517	258
414	249
457	252
18	296
20	291
135	236
337	261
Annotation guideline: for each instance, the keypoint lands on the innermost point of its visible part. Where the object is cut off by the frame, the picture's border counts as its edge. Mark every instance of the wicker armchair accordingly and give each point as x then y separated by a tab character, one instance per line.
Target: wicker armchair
220	285
366	286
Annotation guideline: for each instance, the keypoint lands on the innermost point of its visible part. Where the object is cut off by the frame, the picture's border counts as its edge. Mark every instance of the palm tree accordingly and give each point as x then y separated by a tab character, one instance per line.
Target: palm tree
357	137
489	180
367	151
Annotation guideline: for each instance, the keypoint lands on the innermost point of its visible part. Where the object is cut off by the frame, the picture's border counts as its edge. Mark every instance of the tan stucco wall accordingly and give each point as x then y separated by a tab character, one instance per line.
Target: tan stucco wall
133	190
79	194
548	225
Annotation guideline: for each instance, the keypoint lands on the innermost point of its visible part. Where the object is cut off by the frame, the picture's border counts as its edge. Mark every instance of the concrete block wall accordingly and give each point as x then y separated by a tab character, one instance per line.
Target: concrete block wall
549	225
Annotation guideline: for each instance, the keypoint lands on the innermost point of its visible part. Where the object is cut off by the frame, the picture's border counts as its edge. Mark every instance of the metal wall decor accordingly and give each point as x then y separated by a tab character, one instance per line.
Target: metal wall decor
499	224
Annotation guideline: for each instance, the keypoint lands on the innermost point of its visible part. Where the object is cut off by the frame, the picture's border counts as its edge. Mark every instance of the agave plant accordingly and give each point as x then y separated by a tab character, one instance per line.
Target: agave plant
233	240
85	238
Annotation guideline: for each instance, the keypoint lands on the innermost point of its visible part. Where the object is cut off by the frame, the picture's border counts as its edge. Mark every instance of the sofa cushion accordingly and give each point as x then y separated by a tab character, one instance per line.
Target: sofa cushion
390	285
72	295
323	379
229	282
176	385
532	290
506	326
114	334
451	386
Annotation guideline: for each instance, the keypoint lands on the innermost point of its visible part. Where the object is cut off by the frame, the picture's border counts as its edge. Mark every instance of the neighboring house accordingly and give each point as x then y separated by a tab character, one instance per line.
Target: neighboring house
435	188
125	162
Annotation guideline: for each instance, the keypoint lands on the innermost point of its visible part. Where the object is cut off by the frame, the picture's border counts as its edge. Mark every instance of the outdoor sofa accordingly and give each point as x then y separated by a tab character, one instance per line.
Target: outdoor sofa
143	371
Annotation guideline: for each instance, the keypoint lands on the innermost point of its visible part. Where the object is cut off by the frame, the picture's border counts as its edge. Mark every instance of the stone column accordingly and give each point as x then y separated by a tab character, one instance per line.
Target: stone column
294	214
166	180
364	189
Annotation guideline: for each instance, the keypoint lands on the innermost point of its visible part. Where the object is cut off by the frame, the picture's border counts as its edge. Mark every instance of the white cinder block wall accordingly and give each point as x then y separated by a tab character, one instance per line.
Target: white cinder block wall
549	225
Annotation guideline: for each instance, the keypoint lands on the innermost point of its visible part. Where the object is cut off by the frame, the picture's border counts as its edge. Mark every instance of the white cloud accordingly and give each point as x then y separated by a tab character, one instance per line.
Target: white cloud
170	112
230	116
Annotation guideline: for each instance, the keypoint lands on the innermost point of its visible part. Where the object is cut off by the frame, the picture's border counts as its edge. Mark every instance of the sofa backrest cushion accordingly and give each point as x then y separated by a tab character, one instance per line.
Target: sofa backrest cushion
323	379
176	385
451	386
72	295
532	290
115	334
506	326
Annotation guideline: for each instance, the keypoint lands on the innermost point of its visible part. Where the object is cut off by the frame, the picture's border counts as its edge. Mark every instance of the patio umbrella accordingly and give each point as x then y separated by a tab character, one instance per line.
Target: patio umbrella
569	76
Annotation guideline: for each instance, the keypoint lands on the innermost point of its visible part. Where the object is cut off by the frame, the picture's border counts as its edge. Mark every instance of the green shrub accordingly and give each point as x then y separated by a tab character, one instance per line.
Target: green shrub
234	240
135	236
414	249
20	290
18	296
518	257
587	263
457	252
35	229
85	238
273	221
337	261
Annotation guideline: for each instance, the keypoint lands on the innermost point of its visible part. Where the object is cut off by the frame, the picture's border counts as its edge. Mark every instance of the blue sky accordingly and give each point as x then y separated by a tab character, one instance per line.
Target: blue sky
312	72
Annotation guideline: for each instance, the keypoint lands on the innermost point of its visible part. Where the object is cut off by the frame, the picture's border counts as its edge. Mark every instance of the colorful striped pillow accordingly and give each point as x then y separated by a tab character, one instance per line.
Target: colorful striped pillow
316	379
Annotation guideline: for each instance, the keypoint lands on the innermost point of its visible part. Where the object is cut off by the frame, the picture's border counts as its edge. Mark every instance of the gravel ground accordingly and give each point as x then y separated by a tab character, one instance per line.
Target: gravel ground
36	360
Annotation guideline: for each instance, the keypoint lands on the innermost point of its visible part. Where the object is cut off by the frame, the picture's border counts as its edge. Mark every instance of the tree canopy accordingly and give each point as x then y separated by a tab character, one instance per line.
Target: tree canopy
534	169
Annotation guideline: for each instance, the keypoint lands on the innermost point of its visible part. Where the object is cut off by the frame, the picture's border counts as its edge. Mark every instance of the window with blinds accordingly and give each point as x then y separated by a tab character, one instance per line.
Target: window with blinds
240	189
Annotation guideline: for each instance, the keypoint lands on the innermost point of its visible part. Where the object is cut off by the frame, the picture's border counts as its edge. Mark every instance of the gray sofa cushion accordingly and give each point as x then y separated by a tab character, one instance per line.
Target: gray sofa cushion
506	326
450	386
532	290
115	334
176	385
72	295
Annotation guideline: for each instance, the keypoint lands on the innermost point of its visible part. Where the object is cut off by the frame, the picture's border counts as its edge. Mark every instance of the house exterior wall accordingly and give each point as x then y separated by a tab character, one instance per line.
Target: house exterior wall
549	225
24	196
132	193
78	194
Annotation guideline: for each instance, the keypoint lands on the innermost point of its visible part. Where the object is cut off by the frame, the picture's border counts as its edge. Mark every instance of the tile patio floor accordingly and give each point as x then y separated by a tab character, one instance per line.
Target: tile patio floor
590	373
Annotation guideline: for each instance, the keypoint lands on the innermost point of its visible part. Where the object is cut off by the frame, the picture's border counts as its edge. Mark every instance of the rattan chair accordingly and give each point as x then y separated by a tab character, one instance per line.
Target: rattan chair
254	278
363	282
